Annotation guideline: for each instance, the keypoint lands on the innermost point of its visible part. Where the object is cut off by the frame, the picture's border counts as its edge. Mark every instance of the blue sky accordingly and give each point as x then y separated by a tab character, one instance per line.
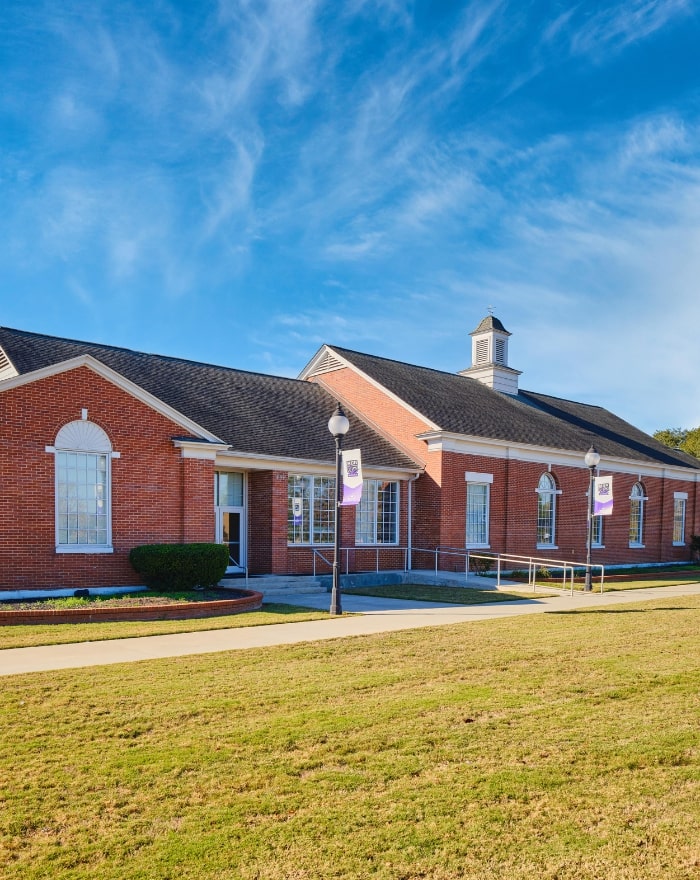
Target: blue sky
239	182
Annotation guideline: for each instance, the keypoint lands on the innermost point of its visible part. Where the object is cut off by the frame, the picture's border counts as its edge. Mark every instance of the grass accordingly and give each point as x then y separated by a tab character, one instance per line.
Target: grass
638	579
557	746
58	634
452	595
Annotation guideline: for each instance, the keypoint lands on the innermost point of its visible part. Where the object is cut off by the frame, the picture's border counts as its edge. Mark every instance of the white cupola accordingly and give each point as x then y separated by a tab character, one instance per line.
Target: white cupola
490	357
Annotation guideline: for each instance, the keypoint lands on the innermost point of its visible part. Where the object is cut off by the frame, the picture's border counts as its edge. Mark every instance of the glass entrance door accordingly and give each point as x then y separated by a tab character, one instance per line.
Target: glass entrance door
231	534
230	517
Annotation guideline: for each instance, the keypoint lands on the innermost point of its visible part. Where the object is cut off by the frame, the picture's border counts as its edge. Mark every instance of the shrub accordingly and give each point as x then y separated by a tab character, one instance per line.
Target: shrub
481	564
544	573
695	548
180	566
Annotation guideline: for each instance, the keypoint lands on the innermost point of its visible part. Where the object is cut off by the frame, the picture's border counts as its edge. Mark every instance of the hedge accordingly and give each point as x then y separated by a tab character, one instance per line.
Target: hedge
180	566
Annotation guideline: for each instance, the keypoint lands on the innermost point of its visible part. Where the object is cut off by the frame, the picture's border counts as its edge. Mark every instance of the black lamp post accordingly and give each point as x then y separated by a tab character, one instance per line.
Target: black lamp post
592	459
339	426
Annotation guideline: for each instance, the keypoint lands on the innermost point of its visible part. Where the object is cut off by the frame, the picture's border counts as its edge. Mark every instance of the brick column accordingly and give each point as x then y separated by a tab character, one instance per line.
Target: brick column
198	515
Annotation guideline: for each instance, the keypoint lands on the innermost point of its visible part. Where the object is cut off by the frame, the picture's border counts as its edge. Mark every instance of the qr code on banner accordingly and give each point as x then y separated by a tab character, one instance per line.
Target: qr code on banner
353	468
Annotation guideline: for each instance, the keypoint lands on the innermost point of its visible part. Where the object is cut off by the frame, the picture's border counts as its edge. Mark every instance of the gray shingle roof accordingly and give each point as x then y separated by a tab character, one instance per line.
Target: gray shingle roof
461	405
489	323
252	412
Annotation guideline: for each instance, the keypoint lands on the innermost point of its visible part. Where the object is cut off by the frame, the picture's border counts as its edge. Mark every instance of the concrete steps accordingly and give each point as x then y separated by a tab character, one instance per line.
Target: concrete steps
276	585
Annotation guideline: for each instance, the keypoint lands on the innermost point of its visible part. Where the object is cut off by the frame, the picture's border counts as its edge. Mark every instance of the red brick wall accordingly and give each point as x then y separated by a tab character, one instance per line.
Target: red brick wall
440	495
156	495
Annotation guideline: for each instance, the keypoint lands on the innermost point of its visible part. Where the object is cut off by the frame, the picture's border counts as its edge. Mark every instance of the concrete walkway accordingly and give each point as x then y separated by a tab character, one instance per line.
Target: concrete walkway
370	616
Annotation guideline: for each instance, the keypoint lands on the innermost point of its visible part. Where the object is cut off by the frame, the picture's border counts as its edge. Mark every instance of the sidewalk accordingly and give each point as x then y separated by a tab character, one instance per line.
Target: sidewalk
370	616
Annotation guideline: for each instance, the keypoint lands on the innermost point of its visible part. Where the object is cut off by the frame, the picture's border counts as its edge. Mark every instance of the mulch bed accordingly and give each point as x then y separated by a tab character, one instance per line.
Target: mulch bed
132	606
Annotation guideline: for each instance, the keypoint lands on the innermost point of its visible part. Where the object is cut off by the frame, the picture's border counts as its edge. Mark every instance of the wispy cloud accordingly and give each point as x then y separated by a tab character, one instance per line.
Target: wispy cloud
627	23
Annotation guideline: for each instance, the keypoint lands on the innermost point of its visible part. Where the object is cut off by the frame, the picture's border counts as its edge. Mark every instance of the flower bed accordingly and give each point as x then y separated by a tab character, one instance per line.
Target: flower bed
93	612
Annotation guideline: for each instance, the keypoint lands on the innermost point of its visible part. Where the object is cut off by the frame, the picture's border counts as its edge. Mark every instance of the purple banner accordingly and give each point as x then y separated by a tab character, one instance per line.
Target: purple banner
602	496
351	465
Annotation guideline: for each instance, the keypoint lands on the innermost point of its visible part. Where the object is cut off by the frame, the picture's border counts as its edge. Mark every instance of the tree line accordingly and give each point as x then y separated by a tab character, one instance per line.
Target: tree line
685	439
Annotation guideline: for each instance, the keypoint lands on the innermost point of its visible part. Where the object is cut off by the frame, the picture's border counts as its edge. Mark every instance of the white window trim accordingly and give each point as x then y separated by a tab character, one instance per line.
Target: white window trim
555	492
599	545
311	542
639	545
89	439
376	543
479	479
680	496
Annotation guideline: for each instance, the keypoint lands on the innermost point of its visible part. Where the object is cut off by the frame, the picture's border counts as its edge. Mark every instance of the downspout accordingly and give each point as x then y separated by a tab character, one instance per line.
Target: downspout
409	539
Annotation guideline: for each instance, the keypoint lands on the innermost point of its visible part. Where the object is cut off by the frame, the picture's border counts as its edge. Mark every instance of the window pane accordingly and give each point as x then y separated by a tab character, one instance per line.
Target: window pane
546	509
636	514
678	520
376	516
477	513
81	479
229	489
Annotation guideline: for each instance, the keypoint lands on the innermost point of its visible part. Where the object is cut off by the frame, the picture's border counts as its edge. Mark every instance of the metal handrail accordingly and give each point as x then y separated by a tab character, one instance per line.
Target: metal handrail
377	548
235	562
533	562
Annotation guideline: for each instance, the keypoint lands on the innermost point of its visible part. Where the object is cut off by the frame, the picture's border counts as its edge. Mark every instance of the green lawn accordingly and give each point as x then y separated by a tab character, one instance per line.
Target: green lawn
57	633
628	579
556	746
453	595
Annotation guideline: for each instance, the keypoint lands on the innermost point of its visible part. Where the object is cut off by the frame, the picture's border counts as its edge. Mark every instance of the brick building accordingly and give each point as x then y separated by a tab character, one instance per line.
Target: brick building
102	449
503	468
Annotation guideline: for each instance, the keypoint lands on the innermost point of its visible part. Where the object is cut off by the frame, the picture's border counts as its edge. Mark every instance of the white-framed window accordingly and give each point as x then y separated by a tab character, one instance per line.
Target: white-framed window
310	509
229	489
83	488
679	504
597	536
546	511
637	499
377	514
478	508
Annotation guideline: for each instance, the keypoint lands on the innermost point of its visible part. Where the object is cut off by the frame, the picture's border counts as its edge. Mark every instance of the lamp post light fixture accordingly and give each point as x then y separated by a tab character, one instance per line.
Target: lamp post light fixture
339	426
592	460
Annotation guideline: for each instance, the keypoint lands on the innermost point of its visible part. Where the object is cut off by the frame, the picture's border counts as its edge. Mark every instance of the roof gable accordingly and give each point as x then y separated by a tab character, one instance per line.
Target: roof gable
255	414
463	406
116	379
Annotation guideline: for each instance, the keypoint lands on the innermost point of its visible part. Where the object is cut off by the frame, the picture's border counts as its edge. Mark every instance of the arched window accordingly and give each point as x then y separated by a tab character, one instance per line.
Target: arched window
637	499
83	488
546	511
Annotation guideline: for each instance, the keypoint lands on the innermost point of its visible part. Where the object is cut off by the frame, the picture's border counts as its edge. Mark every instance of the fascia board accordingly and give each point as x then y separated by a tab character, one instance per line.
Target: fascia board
442	441
136	391
309	368
255	462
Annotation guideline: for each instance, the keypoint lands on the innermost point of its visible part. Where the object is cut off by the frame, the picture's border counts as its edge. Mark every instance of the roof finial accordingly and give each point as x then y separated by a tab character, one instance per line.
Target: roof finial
490	310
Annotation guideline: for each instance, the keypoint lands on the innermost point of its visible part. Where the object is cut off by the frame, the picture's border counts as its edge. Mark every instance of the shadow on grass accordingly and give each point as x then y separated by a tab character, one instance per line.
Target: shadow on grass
620	610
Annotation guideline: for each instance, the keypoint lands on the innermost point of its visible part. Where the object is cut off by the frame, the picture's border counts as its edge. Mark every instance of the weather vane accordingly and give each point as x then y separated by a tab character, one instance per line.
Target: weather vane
490	310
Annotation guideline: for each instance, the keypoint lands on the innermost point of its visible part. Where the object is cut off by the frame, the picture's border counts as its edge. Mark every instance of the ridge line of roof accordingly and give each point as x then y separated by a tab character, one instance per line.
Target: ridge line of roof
379	357
147	354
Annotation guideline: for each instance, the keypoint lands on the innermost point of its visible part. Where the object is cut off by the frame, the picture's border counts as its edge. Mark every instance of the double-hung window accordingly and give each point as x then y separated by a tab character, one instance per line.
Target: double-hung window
637	499
377	514
310	509
83	454
546	511
478	508
679	504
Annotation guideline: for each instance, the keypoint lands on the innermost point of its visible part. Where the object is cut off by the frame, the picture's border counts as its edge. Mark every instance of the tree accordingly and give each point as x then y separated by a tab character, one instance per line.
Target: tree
685	439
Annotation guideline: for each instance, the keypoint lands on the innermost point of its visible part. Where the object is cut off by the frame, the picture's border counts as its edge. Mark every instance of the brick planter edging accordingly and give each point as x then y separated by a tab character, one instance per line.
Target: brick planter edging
250	601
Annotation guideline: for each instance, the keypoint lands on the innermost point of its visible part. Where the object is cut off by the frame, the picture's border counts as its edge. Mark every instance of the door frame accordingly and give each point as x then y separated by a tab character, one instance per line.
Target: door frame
242	562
